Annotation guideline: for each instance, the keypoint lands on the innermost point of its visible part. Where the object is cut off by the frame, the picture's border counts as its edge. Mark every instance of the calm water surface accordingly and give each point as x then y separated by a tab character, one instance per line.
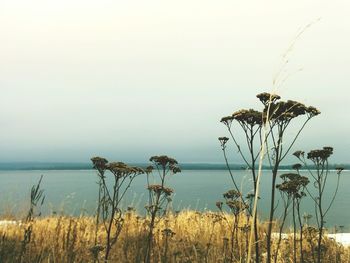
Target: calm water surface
74	192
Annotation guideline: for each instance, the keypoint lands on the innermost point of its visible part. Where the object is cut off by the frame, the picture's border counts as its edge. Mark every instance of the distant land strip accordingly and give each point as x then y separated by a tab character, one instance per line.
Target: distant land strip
8	166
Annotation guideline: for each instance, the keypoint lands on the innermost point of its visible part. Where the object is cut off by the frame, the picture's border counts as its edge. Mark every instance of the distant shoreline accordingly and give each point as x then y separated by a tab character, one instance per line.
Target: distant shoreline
34	166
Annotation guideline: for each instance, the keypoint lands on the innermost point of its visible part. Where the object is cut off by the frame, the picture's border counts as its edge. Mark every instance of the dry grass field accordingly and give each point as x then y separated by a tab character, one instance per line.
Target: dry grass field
185	237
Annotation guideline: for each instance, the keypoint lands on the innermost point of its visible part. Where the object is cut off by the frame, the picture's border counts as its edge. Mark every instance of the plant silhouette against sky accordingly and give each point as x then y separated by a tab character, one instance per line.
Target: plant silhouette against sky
270	126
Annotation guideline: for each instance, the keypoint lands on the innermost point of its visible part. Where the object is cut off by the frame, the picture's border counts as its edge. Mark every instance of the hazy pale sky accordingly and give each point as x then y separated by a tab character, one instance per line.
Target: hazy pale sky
131	79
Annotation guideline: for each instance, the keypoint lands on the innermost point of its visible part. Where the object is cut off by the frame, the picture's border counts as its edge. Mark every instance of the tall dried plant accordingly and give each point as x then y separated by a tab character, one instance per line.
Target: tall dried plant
159	194
110	197
319	174
292	191
270	127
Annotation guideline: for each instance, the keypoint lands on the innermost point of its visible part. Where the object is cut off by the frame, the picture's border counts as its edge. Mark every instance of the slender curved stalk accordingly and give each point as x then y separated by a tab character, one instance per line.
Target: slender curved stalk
334	195
239	149
229	170
262	151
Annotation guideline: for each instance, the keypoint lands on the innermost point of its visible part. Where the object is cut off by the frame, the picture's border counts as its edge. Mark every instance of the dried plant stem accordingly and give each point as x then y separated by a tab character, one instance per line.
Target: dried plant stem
256	197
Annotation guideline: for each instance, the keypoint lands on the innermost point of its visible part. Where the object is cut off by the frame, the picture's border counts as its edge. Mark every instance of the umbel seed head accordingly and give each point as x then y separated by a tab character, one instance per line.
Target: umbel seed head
159	189
120	169
265	97
297	166
284	111
250	117
223	141
166	162
299	154
163	160
320	154
100	164
232	194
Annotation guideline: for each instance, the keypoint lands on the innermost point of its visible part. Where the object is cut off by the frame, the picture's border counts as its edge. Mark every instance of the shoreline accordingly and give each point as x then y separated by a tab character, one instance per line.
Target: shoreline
45	166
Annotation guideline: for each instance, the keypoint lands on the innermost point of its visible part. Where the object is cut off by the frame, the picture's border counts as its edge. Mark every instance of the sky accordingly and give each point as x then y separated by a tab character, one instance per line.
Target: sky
130	79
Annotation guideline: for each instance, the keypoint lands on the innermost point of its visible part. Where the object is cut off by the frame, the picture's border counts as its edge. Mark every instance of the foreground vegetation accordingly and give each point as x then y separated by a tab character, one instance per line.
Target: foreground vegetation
185	237
234	234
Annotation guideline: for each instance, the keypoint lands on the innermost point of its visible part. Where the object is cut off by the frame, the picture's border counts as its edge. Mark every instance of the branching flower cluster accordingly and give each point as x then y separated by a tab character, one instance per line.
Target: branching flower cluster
319	172
292	190
262	130
233	201
159	194
110	198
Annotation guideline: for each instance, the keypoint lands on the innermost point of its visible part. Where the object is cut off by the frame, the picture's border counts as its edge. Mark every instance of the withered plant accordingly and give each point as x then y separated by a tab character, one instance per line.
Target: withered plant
280	115
110	197
159	194
292	190
250	121
274	120
236	207
319	173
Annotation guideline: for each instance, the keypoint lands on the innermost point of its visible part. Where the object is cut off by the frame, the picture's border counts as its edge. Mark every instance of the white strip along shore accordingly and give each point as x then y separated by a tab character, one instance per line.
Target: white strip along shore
342	238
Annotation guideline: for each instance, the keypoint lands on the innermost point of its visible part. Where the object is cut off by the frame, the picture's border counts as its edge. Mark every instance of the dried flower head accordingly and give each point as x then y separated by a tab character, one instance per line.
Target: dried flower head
227	121
312	111
339	170
328	148
223	141
293	184
120	169
299	154
251	196
174	169
99	164
166	162
248	117
265	98
232	194
163	160
297	166
320	154
136	170
285	111
219	205
149	169
236	206
159	189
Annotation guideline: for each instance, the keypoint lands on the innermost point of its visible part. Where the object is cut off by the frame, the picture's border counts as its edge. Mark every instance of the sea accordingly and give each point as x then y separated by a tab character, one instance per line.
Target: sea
74	193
